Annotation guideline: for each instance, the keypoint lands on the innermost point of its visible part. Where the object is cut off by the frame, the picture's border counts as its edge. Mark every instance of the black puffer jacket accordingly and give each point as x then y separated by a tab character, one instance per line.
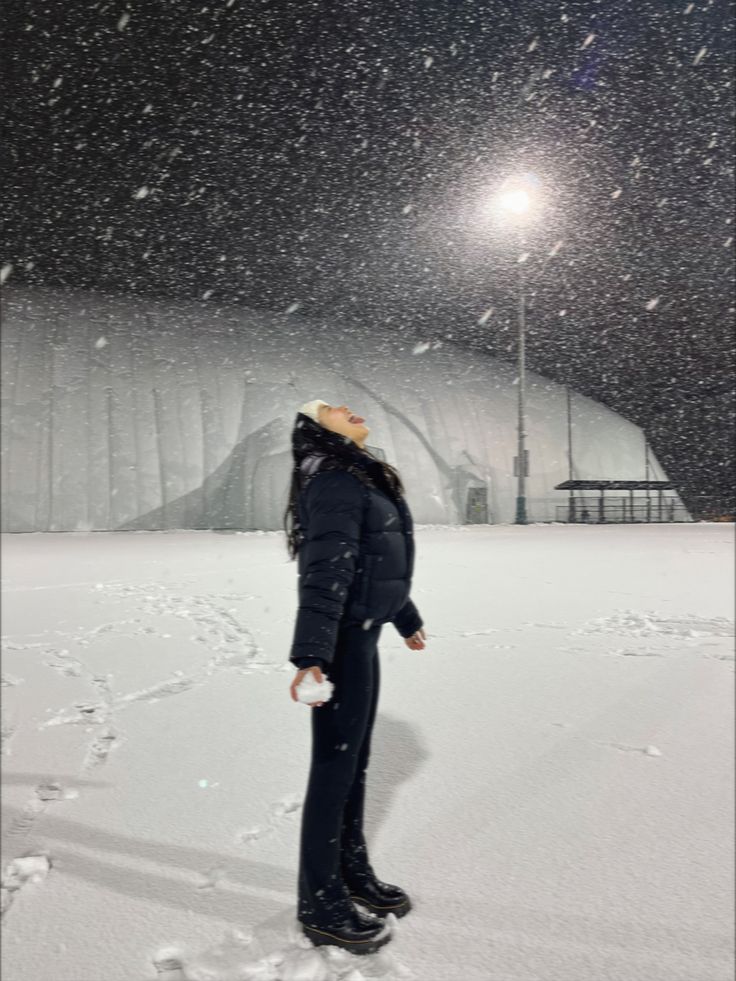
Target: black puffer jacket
356	559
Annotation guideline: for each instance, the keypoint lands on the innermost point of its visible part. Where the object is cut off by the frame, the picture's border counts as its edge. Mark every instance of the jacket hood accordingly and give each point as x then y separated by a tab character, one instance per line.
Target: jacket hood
316	449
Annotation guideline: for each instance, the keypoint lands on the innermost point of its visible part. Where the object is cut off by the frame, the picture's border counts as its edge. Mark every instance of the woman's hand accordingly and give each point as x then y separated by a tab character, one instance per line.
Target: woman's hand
298	677
416	641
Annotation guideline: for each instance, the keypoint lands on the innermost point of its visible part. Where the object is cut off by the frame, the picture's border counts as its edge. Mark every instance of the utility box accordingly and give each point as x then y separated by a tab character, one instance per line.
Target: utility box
526	464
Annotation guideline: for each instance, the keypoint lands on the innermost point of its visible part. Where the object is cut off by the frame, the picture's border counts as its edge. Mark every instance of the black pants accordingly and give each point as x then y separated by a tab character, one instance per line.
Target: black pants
332	841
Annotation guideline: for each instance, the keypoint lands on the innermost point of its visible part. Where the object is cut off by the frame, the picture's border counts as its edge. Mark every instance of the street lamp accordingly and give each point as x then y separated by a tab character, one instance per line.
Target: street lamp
516	199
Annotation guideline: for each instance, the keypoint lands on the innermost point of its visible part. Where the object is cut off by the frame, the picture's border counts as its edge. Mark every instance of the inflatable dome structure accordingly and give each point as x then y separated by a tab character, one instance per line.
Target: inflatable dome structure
123	414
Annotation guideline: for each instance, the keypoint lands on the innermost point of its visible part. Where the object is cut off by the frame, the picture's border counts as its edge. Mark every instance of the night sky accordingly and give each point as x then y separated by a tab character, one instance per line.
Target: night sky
335	159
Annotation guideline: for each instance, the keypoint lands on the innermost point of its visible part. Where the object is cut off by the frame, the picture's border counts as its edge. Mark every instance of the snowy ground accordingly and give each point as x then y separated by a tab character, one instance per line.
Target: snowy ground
551	778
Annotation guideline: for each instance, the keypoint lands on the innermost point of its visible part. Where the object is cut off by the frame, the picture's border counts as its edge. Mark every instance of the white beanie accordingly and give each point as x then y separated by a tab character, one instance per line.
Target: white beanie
311	409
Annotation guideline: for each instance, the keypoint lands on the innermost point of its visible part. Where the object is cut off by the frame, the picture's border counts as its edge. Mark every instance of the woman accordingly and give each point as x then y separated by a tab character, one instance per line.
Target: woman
353	533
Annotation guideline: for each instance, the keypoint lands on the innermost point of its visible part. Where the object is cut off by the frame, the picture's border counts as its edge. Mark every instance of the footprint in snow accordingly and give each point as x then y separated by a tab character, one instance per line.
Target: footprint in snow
86	713
286	806
173	686
649	623
7	731
43	795
232	957
241	660
27	868
169	964
97	713
251	834
277	810
646	750
631	652
100	749
64	663
8	680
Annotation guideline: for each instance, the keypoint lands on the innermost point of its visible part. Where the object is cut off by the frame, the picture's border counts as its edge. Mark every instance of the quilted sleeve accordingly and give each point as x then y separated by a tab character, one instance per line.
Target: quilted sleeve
311	662
334	511
407	621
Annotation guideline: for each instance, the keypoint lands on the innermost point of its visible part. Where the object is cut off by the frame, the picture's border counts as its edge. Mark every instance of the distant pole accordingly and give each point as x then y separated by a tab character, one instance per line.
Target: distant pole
571	517
516	197
521	490
646	477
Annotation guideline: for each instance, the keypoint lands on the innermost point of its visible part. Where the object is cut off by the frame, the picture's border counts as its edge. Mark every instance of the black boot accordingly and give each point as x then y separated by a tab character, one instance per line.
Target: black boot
358	932
378	897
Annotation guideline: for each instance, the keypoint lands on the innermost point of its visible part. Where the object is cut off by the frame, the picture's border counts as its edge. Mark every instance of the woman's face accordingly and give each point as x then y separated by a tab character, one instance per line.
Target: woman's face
337	419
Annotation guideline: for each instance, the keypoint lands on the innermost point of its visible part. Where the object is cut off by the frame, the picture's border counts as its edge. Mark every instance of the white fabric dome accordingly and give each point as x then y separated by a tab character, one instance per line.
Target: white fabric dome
124	413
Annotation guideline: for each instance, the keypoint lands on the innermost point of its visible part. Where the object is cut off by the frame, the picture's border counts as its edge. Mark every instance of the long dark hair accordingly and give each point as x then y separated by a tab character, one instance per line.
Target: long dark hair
338	452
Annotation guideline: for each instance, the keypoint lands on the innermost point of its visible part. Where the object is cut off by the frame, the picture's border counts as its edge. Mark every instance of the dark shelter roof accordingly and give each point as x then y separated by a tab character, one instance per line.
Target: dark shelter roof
614	485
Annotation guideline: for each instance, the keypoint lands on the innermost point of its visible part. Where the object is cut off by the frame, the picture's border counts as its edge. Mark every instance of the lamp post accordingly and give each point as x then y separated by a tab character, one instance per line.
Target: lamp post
516	199
522	457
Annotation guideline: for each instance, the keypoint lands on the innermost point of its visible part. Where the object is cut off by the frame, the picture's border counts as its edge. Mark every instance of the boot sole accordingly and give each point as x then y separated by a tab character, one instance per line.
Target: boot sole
367	946
399	910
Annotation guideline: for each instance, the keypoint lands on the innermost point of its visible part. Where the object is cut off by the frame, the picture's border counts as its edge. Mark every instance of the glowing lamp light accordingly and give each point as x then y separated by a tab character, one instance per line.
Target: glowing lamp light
517	201
518	195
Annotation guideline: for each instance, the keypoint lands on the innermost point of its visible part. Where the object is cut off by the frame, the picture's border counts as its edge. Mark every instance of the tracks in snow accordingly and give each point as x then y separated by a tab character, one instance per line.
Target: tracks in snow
216	627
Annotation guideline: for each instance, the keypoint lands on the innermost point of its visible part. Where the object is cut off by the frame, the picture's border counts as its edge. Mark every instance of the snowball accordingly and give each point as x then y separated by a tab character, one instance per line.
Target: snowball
309	690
